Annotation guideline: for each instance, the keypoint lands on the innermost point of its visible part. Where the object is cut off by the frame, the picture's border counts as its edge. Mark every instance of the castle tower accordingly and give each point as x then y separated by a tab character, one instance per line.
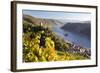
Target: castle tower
41	24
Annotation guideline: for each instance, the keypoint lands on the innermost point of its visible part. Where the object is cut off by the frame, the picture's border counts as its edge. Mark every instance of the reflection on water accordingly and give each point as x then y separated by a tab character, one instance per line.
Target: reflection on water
73	37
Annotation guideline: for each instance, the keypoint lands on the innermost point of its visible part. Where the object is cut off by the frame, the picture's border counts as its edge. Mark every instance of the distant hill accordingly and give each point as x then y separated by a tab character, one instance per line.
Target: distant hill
38	21
83	28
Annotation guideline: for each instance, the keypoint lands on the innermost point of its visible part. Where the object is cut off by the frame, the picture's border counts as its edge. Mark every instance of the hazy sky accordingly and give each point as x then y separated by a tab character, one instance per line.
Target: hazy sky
59	15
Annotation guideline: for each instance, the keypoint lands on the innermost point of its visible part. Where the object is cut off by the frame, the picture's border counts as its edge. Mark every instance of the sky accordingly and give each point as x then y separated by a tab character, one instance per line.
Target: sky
59	15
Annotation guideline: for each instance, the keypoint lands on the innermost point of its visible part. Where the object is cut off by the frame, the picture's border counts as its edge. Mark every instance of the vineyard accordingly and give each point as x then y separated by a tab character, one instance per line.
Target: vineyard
40	44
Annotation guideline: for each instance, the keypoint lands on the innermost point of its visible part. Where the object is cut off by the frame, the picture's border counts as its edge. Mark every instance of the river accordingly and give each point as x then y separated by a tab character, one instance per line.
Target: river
76	39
